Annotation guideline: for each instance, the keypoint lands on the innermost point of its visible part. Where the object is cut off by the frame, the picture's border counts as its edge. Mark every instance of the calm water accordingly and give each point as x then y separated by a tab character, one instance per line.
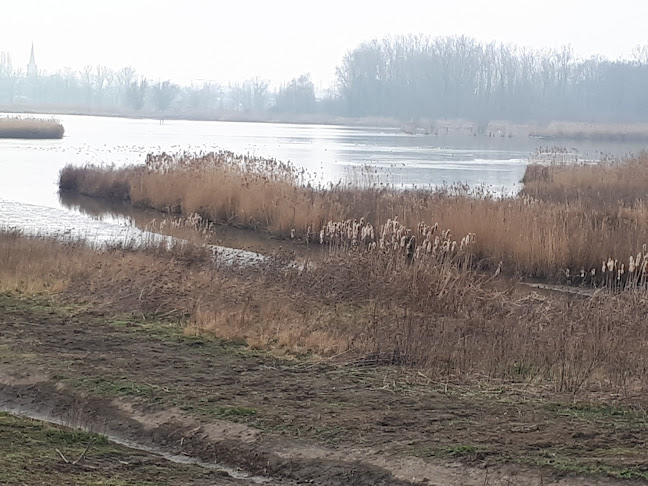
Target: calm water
29	169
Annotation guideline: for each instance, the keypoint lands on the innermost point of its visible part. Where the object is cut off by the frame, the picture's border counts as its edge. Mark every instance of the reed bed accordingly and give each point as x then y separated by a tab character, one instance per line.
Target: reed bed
594	131
31	128
432	313
566	222
605	186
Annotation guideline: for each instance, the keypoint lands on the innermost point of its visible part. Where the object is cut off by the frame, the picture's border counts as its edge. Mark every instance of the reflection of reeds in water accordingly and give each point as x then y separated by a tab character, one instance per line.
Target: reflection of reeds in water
176	226
568	218
96	208
30	128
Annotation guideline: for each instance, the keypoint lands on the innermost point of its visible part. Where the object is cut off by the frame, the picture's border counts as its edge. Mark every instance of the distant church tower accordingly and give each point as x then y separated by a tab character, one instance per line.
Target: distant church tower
32	69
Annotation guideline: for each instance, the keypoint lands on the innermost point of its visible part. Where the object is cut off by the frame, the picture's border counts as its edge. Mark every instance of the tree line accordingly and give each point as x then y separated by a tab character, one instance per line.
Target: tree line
97	88
458	77
405	77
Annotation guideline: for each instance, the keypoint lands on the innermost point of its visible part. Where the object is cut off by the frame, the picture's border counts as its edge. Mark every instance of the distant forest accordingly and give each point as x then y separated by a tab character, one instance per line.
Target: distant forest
407	78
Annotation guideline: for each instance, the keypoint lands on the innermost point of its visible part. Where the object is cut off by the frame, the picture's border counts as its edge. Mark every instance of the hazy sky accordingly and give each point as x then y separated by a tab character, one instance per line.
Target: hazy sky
279	39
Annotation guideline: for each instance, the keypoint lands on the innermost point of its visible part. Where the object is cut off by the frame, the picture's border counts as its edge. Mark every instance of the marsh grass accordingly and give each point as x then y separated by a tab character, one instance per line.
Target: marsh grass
605	186
433	313
594	131
565	223
30	128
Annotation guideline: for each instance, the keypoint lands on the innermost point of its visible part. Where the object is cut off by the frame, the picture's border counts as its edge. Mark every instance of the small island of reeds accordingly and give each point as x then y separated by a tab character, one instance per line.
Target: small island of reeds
31	128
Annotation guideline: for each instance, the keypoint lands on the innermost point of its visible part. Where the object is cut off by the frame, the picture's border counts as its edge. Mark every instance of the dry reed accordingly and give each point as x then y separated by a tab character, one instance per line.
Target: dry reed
595	131
376	306
552	231
30	128
605	186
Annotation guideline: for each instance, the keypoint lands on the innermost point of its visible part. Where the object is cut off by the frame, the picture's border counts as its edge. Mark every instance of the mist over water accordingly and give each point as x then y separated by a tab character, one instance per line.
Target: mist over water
29	168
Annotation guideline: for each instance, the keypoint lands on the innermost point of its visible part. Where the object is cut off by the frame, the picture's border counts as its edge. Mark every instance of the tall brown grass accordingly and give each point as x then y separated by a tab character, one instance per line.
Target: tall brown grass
30	128
595	131
604	186
432	313
567	221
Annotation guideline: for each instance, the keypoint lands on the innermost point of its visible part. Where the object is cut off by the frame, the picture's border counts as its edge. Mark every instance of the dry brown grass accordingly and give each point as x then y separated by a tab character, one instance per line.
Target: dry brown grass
595	131
431	314
112	184
604	186
585	216
30	128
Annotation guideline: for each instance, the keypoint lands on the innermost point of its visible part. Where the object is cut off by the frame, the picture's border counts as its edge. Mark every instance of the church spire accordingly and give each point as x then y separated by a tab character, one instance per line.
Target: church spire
32	69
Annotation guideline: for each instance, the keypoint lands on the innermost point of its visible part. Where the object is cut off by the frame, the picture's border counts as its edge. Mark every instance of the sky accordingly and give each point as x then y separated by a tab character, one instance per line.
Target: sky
198	40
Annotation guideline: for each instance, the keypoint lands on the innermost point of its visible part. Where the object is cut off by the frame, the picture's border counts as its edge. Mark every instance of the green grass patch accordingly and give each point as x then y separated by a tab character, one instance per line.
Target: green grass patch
233	412
28	455
37	304
121	387
463	450
618	452
7	352
610	415
173	330
579	467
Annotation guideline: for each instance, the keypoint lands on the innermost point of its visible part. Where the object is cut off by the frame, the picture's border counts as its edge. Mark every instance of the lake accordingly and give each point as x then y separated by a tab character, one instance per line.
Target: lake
29	168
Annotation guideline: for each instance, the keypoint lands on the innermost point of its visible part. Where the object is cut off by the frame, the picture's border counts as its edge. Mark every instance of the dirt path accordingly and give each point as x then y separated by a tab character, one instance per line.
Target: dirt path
296	422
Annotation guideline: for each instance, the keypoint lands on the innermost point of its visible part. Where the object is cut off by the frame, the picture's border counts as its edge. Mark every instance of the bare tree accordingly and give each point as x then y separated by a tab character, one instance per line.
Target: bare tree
298	96
240	96
259	89
102	77
164	93
640	54
409	77
88	82
136	93
6	68
8	78
125	78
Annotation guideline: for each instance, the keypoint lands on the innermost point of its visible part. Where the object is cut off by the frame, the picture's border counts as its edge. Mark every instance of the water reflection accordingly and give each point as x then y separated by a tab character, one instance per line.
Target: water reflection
39	220
112	212
120	214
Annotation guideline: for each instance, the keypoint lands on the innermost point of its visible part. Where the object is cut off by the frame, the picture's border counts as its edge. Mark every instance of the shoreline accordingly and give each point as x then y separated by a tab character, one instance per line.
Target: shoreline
231	118
550	131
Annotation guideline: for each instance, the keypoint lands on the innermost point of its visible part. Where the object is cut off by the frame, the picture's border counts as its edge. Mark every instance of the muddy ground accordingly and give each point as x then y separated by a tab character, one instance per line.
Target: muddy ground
297	421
